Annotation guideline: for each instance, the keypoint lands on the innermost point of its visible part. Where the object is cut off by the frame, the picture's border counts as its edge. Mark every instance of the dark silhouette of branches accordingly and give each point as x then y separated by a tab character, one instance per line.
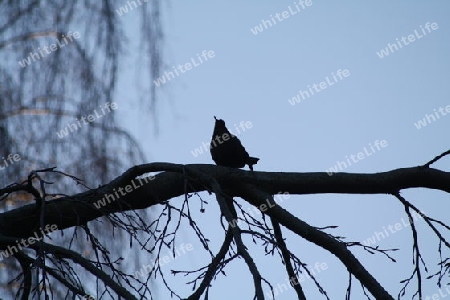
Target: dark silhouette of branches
172	180
46	92
41	98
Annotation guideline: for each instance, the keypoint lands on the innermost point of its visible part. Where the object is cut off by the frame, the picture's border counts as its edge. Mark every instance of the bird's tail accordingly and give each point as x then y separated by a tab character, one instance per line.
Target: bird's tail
252	161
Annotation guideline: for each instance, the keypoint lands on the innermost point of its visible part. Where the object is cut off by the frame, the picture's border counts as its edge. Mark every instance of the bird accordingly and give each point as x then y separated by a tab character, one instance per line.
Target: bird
227	150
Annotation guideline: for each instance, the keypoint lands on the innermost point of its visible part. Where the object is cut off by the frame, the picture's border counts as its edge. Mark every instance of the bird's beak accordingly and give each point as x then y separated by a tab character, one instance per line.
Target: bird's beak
215	118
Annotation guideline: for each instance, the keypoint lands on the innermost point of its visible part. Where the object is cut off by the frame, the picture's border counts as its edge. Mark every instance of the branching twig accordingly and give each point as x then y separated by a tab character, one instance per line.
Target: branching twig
230	217
287	260
428	164
257	197
212	268
77	258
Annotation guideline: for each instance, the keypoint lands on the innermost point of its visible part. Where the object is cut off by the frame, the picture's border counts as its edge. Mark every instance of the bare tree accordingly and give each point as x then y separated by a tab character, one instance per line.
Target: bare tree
59	64
44	91
188	181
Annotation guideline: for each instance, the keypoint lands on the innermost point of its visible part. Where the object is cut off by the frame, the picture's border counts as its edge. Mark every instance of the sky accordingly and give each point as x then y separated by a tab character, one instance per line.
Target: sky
364	90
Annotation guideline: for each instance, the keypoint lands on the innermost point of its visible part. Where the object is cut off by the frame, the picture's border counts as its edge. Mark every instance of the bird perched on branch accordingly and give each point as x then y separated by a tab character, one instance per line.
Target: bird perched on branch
227	150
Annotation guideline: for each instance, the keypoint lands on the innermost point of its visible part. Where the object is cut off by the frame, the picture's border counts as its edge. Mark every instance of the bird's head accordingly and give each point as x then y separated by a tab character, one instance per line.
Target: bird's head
219	122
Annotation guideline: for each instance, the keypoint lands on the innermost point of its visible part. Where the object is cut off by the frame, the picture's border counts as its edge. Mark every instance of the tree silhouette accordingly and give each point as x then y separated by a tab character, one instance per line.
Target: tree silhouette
227	184
45	89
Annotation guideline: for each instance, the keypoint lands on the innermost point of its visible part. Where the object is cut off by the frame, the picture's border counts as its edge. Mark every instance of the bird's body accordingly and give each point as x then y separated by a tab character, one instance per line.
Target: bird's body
227	150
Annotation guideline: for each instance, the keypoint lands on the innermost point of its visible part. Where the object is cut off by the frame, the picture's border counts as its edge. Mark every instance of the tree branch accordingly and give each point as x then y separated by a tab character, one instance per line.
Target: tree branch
310	233
176	180
236	231
77	258
78	209
287	260
212	268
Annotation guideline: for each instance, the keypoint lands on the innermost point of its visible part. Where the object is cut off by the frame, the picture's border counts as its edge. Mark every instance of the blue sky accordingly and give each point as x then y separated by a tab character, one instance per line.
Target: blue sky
252	77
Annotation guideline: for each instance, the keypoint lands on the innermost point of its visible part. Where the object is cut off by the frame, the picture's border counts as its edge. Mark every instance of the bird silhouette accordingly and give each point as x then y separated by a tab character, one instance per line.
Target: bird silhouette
227	150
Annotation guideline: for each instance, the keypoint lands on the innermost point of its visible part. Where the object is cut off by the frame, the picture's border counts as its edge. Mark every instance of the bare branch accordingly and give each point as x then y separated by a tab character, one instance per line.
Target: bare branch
175	180
339	249
428	164
213	266
79	209
77	258
287	260
230	217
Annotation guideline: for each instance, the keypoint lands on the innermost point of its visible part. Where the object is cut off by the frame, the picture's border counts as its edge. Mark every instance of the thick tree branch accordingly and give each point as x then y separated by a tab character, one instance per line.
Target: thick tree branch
176	180
79	209
26	271
312	234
